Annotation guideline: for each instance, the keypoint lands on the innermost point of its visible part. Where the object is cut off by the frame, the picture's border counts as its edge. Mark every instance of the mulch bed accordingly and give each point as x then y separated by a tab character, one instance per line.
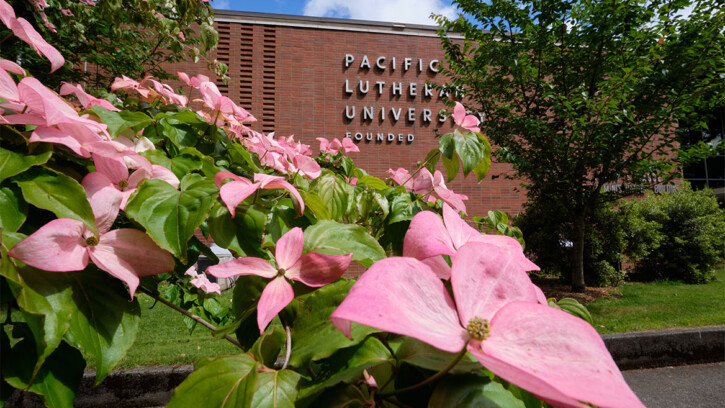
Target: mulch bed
555	288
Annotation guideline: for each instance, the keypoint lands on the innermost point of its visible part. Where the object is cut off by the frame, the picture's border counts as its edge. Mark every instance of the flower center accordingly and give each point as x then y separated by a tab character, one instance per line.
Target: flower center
280	272
122	185
92	241
478	329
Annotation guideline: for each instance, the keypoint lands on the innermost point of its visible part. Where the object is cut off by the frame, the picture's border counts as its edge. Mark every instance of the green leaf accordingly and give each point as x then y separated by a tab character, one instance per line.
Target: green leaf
118	122
470	149
333	238
472	391
179	133
171	216
451	165
58	193
419	354
402	208
314	337
348	364
482	168
333	192
106	322
209	36
316	205
12	163
446	145
431	160
573	307
267	347
277	389
241	234
225	382
57	380
13	208
46	302
373	182
187	160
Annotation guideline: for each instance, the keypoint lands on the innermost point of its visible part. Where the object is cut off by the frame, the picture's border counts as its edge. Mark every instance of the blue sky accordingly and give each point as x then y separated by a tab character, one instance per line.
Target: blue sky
402	11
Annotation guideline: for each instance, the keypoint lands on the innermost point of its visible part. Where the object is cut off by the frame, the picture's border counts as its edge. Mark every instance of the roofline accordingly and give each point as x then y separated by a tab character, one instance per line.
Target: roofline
327	23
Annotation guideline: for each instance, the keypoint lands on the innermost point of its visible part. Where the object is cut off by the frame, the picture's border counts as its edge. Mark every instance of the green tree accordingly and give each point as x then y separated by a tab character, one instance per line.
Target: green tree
579	94
112	38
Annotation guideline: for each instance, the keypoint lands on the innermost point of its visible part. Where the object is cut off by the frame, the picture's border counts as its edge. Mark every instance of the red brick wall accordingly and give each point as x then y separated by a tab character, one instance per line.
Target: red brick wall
293	80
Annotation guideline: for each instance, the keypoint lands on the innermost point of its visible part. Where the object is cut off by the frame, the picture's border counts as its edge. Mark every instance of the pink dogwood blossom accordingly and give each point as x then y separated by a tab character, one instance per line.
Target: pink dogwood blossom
25	31
86	100
65	245
334	146
429	237
234	192
554	355
202	282
311	269
468	122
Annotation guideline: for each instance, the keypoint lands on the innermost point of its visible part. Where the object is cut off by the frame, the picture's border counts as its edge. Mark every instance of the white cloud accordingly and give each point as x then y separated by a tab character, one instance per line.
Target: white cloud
220	4
397	11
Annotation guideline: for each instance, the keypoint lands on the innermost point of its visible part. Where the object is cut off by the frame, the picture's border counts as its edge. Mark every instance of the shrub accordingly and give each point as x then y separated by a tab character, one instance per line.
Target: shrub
544	228
675	236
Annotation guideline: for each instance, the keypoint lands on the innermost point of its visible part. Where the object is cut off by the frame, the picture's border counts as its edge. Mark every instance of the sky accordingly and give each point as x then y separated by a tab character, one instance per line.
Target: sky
398	11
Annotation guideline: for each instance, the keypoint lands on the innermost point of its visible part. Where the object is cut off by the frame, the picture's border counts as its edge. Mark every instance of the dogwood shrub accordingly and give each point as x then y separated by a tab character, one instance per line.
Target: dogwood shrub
101	202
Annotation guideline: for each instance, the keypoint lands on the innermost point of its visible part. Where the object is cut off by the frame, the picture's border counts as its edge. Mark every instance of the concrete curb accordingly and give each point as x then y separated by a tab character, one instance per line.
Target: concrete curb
667	348
153	386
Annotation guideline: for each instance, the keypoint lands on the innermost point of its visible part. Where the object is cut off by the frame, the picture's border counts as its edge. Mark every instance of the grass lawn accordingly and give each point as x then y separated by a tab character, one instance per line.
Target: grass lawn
661	305
163	339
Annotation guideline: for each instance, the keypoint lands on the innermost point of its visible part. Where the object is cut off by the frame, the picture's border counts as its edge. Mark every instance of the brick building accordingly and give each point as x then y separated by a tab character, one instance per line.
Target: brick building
333	78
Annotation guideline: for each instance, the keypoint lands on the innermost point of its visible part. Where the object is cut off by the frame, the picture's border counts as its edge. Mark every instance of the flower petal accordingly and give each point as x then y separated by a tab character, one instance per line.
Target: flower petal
235	192
105	199
484	279
128	254
243	266
272	182
316	270
25	31
427	237
276	295
554	355
459	113
58	246
289	248
458	229
402	295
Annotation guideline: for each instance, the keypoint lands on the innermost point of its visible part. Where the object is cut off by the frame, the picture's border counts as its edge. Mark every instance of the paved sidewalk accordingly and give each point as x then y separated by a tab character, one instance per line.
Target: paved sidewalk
693	386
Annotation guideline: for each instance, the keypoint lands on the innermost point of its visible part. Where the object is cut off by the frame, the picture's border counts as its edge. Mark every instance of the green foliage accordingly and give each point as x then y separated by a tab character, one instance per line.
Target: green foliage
675	236
114	38
604	242
580	94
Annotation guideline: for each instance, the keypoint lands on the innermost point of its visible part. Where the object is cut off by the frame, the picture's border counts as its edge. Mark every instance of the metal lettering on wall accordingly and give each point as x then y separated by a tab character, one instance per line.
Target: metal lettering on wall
389	116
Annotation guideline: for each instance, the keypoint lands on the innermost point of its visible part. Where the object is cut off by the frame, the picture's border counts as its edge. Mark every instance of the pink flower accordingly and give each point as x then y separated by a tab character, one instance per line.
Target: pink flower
12	67
66	12
194	82
126	83
468	122
426	183
25	31
112	171
429	237
166	92
402	177
218	102
202	282
181	36
86	100
335	146
311	269
64	245
235	191
554	355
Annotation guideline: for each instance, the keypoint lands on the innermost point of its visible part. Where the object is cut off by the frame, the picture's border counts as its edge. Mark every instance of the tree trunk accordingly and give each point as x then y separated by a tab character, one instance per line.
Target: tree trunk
577	254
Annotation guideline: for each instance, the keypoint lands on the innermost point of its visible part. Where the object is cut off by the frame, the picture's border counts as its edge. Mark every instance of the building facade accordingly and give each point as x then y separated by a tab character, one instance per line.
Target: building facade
333	78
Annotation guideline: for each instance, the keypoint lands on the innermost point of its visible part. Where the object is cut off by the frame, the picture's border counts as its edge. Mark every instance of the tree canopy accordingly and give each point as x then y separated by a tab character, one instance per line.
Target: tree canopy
579	94
104	40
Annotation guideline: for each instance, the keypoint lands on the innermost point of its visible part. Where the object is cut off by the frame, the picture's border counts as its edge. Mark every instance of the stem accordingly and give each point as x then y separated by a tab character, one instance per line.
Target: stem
289	347
192	317
432	378
421	167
